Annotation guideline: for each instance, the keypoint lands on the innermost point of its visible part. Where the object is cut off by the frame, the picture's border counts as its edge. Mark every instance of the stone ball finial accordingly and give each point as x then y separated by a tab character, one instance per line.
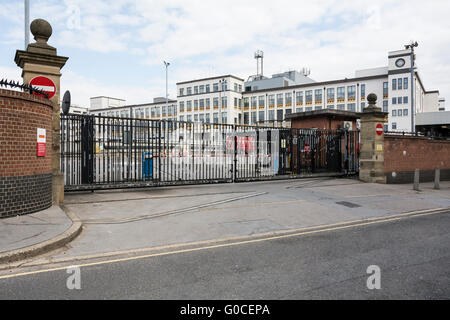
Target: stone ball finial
41	30
372	98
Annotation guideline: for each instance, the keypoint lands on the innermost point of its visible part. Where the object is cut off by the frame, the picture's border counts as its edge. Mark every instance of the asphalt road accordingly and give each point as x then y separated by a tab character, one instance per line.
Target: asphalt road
413	256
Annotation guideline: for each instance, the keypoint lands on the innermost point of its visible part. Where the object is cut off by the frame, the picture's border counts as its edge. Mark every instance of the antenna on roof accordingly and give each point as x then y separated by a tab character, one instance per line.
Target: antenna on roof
306	72
259	56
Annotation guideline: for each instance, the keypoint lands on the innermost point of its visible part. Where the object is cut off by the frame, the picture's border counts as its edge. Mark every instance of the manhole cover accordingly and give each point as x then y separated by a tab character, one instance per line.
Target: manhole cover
348	204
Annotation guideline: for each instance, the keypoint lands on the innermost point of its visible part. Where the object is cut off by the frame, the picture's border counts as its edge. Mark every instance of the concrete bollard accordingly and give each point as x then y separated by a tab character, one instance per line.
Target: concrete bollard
437	177
416	180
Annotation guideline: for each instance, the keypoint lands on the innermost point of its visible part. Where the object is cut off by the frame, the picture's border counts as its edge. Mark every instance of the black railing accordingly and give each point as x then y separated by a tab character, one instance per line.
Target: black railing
108	152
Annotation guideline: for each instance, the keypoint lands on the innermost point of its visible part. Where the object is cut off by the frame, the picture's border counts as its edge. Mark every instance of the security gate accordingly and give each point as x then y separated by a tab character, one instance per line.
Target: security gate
110	152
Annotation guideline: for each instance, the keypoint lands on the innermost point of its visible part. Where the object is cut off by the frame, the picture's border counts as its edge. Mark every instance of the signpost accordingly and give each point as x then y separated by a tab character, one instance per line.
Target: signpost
44	84
41	142
379	129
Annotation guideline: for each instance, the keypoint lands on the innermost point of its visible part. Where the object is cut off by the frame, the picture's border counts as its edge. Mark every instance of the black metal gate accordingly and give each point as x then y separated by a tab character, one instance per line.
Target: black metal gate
112	152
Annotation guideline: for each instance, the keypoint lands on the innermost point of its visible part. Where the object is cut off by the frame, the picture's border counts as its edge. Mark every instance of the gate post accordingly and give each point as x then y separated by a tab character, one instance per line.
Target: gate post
40	59
372	143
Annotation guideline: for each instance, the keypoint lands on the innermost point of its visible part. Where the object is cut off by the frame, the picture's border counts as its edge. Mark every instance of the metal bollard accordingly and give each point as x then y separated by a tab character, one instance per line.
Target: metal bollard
437	177
416	179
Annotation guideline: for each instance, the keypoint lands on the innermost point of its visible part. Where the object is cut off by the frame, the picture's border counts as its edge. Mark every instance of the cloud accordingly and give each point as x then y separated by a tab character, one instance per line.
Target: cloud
201	38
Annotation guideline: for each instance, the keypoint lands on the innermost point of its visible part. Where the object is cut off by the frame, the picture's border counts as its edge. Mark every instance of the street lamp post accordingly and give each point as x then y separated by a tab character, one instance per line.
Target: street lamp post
411	46
167	64
27	23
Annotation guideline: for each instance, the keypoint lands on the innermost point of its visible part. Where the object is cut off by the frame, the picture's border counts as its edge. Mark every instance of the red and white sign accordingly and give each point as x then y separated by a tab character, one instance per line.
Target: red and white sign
45	84
41	142
379	129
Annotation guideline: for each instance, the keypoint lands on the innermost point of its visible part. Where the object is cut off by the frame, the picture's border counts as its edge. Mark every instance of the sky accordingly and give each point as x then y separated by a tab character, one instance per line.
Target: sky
116	48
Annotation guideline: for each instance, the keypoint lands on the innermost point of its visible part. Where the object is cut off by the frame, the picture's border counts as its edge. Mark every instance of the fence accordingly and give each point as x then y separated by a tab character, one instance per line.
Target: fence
111	152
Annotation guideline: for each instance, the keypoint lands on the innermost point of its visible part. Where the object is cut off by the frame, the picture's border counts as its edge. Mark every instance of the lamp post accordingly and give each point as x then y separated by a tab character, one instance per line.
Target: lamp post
167	64
27	23
411	46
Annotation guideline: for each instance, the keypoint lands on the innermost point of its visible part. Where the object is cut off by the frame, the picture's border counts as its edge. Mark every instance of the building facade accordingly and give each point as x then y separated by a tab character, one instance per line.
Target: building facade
268	101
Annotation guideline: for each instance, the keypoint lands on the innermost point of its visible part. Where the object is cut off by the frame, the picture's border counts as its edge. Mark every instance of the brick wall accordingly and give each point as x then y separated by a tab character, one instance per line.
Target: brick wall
404	154
25	179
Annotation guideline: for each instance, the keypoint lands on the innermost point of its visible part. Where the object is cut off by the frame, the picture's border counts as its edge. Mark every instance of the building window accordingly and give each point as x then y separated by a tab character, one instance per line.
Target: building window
202	89
299	98
394	113
202	118
246	118
181	118
195	89
181	105
318	96
299	110
363	106
207	88
189	118
181	91
351	107
308	109
224	86
288	111
261	116
405	83
341	94
399	100
394	100
254	101
207	118
399	112
246	103
351	93
208	103
280	100
216	102
271	100
253	114
341	106
216	117
363	91
399	83
330	106
318	108
385	90
394	125
394	84
202	104
189	91
330	94
405	100
271	115
189	105
261	101
308	97
224	102
280	115
386	128
385	106
288	97
215	87
235	87
405	112
195	104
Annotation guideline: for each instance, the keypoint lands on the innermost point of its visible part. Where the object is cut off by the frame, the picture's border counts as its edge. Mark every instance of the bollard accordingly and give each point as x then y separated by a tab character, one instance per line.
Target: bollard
416	180
437	177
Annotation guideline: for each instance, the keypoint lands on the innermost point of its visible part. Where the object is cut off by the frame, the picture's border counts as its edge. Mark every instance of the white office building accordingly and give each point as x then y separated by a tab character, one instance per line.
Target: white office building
265	100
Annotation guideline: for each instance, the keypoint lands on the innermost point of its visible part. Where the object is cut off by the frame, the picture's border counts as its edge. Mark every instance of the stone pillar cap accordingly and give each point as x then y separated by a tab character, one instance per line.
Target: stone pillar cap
41	30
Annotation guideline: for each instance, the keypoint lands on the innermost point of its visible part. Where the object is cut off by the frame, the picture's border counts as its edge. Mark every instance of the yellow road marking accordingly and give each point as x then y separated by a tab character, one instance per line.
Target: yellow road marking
291	235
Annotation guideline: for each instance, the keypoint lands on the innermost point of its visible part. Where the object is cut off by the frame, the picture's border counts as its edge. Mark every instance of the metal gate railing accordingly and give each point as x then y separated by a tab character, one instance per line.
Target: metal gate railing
112	152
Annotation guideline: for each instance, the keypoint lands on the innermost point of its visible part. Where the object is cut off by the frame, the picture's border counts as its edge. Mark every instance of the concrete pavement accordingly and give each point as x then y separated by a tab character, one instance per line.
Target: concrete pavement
117	221
27	236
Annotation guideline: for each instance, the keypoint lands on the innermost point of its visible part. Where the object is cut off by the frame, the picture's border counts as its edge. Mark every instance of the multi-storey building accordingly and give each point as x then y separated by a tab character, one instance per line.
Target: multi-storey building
260	100
211	100
159	109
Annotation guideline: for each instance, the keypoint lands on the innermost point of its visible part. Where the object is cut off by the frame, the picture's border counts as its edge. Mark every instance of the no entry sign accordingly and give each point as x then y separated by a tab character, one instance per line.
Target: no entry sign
379	129
44	84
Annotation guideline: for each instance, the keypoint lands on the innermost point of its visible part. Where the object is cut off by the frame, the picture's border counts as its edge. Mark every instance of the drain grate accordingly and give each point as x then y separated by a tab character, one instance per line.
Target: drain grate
348	204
